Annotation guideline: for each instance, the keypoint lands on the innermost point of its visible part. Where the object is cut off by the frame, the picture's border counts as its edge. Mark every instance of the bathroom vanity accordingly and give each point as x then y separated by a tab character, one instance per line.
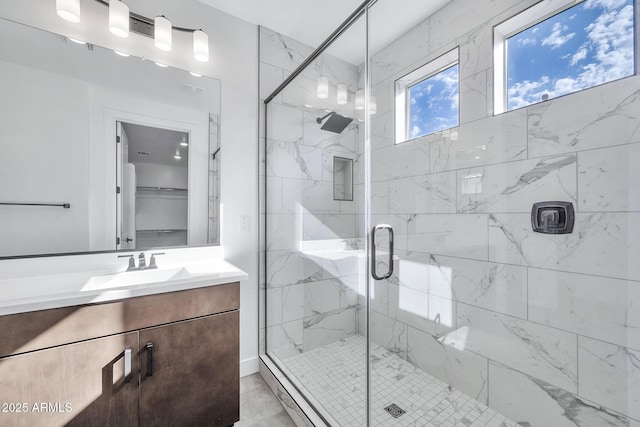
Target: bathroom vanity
152	359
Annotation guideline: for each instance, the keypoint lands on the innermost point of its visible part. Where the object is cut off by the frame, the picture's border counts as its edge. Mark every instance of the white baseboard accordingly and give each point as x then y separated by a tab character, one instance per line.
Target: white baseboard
249	366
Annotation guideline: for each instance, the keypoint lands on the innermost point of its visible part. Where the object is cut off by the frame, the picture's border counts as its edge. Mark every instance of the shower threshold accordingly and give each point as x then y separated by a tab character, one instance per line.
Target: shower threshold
334	375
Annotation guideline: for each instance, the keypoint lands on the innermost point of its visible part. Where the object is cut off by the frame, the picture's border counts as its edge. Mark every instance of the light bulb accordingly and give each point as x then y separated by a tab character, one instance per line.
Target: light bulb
373	105
121	53
342	95
119	18
162	33
184	142
360	100
195	74
177	156
200	46
69	10
77	40
323	87
160	64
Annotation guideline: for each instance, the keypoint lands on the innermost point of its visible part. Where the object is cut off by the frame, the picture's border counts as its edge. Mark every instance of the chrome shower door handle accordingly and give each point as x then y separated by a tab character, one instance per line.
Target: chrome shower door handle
389	272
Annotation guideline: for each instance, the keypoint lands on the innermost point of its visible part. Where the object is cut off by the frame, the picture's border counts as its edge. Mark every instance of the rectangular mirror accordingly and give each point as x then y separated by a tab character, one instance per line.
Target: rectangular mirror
101	151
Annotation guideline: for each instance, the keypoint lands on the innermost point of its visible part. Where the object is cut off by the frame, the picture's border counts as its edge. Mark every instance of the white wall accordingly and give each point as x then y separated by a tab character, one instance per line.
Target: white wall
234	54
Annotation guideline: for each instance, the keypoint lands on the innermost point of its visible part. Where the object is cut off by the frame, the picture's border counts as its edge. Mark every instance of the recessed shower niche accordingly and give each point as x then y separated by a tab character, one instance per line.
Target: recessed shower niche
342	179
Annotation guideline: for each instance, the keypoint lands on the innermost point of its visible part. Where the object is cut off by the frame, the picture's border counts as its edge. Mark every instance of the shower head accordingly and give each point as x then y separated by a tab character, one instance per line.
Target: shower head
336	122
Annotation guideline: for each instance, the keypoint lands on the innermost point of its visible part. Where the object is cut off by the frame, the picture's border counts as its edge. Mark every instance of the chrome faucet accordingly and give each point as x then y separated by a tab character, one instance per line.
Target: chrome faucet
142	262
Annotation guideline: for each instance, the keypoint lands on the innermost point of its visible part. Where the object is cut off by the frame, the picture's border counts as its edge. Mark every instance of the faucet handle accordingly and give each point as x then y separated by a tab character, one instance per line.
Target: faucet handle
132	262
152	261
142	262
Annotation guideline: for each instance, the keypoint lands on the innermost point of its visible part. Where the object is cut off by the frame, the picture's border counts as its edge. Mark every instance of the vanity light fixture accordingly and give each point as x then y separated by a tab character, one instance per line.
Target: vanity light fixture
342	95
119	18
360	100
184	142
122	22
323	87
69	10
200	46
162	33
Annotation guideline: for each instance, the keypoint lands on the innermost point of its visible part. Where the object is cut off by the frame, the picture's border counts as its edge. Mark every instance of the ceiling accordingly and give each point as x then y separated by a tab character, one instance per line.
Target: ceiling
312	21
155	145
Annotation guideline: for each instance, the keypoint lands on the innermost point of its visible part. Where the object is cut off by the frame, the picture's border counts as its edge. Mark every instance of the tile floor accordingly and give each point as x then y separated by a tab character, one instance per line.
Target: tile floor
259	407
334	375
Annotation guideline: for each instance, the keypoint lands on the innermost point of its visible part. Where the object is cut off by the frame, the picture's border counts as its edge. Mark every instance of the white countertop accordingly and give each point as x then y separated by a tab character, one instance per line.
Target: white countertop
46	291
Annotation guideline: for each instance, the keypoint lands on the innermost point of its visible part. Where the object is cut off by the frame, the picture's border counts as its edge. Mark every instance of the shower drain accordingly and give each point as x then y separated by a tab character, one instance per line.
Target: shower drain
395	410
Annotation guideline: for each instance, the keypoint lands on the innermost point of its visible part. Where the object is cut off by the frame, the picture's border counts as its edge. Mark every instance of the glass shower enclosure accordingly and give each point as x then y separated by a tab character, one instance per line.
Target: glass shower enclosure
404	283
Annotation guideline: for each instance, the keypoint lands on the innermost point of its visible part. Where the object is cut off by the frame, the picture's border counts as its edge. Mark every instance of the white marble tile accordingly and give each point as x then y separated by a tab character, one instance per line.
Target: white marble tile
610	375
274	194
293	302
497	287
329	226
591	306
306	196
400	234
384	93
274	306
605	244
379	297
400	161
293	160
270	79
473	97
537	350
454	235
321	297
380	197
607	179
281	51
286	339
428	313
341	263
461	369
403	52
602	116
492	140
388	333
327	163
434	193
382	130
291	267
284	232
514	187
284	123
476	51
329	327
532	402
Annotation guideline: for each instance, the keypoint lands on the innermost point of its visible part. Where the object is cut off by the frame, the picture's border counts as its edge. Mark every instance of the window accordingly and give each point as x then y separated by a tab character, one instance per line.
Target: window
559	47
427	98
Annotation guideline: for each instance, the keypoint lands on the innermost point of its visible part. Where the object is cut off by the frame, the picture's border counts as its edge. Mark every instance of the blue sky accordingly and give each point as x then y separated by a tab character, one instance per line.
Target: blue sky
586	45
434	103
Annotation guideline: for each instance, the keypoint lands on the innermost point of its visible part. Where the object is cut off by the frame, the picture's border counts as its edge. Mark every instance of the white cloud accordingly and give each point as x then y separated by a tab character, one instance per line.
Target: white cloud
578	56
607	4
415	131
556	38
527	41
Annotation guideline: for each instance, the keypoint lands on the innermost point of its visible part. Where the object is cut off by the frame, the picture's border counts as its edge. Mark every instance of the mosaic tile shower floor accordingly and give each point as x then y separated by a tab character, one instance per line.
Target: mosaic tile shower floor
335	376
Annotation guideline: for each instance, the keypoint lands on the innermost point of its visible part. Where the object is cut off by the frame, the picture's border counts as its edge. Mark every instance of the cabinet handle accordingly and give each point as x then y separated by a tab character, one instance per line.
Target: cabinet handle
149	359
127	365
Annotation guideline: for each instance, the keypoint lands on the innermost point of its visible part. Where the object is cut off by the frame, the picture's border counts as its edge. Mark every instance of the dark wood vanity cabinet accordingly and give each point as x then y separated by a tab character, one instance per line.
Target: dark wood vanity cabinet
183	359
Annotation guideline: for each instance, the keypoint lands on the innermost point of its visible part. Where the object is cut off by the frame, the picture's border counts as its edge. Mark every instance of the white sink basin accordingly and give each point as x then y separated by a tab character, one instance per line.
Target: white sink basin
133	278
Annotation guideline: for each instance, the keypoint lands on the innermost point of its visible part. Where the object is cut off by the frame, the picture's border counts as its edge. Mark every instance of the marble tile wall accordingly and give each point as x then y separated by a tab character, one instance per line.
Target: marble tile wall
543	328
311	275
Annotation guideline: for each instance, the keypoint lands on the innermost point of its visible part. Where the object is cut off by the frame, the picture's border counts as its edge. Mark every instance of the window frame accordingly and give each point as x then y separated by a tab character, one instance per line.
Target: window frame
522	21
415	77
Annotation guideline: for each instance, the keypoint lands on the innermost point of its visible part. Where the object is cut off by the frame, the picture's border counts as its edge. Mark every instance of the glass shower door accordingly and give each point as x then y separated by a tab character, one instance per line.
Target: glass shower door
315	243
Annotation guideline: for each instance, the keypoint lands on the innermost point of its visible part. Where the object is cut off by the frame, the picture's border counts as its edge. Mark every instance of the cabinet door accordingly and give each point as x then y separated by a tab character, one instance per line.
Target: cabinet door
80	384
195	375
